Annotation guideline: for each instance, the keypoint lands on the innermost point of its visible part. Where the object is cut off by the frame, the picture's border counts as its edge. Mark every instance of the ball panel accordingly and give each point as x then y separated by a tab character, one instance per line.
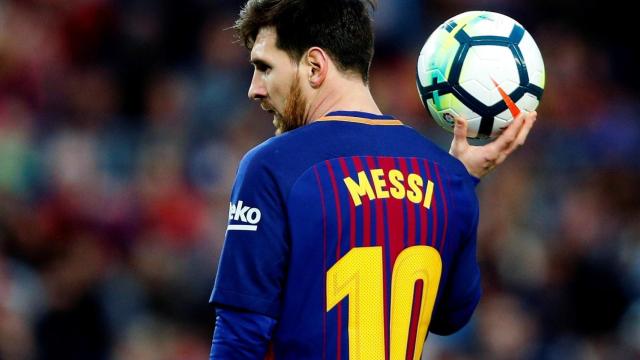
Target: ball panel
493	63
528	102
533	57
473	127
444	118
505	116
436	54
447	108
479	91
426	77
498	126
463	19
460	108
486	23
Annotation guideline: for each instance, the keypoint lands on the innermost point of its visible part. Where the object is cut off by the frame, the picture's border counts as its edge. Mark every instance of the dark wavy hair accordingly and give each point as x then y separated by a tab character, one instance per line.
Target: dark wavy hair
342	28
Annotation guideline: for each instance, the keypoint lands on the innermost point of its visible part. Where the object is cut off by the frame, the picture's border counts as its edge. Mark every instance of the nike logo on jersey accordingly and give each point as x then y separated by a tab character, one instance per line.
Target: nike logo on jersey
247	216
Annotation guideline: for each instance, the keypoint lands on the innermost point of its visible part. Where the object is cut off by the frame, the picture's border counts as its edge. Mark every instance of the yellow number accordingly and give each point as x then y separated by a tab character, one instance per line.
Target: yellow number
366	317
413	264
358	275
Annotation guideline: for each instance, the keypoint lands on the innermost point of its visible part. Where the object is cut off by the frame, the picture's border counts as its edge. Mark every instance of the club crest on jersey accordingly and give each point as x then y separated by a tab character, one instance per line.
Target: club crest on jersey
243	217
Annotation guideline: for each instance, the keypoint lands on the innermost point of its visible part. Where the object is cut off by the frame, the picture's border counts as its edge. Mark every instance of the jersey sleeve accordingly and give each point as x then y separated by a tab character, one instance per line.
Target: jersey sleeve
252	264
463	289
240	335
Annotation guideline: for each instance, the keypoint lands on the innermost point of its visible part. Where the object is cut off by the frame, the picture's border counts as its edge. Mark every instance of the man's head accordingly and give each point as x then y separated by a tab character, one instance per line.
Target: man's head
291	41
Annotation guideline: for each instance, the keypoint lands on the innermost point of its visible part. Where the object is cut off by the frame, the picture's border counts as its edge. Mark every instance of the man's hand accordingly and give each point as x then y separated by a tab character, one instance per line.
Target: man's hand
480	160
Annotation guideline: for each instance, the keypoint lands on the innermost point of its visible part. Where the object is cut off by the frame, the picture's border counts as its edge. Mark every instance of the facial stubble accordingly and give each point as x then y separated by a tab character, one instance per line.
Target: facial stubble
293	115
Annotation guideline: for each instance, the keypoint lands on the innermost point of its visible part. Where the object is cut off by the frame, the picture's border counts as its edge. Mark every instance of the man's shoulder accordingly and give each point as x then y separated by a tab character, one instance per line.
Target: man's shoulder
280	157
273	150
435	153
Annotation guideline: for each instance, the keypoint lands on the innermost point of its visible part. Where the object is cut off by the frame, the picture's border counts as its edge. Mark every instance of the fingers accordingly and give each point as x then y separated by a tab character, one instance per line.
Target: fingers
480	160
524	132
505	141
460	128
459	142
524	126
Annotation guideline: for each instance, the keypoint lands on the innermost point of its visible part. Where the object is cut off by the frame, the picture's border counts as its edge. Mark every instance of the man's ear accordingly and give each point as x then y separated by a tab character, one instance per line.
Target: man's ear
318	61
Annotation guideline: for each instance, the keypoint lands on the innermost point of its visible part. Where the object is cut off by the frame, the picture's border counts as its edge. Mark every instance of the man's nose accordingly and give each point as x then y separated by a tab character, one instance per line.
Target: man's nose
257	89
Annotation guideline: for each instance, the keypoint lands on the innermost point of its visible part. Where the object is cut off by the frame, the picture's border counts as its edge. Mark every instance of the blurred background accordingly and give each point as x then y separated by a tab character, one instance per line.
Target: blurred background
122	123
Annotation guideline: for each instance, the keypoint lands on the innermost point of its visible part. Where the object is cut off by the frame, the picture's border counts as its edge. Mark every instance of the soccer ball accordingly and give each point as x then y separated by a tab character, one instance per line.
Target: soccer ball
482	66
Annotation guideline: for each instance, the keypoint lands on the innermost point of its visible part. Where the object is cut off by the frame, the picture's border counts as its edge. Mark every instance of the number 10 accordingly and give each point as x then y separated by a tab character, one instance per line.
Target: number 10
358	275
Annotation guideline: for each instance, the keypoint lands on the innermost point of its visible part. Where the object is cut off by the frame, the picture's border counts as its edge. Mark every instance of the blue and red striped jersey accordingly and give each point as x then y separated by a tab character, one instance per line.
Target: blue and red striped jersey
357	234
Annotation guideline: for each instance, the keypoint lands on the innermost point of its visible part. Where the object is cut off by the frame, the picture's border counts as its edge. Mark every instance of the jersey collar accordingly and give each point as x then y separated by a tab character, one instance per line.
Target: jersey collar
360	117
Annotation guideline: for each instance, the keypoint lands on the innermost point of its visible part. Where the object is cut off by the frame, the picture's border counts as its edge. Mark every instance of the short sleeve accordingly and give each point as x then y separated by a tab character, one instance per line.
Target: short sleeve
254	258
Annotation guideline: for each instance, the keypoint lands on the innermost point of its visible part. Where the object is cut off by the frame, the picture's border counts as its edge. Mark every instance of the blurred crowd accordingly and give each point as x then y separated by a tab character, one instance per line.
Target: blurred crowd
122	123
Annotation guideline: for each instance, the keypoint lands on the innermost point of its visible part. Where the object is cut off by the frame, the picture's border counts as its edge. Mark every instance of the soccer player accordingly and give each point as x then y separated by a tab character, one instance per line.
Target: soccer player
350	235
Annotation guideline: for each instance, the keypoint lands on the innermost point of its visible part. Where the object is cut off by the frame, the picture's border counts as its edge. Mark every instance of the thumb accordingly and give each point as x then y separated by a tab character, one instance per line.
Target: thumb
459	135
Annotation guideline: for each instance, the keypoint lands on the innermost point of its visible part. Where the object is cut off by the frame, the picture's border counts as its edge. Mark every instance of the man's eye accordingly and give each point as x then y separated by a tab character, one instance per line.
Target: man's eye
262	67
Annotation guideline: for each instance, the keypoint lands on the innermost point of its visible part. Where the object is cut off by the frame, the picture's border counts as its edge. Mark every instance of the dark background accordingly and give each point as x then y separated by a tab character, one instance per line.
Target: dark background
122	123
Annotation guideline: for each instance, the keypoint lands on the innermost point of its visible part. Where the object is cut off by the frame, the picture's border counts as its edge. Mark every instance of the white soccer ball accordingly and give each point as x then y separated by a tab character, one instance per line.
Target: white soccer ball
482	66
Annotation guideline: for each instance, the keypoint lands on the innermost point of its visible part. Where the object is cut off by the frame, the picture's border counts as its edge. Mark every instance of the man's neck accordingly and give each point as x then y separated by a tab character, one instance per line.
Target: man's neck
345	94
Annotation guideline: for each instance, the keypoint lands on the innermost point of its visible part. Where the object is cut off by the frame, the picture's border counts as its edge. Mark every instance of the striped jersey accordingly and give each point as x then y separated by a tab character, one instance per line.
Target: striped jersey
357	234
